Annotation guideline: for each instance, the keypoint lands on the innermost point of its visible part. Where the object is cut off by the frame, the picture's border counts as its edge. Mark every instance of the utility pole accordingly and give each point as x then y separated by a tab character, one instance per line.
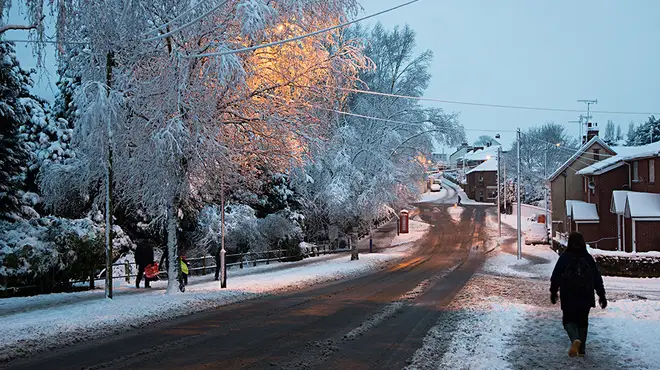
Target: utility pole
518	200
588	102
545	188
499	200
504	183
223	265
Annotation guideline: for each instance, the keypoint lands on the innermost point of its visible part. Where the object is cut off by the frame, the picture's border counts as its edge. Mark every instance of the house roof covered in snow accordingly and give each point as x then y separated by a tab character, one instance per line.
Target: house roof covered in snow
642	205
489	165
584	212
569	206
482	154
624	153
618	203
579	152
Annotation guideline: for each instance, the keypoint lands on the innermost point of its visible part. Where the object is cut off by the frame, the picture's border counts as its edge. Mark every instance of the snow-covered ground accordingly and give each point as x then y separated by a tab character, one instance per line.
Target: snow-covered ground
46	321
431	196
503	319
455	212
416	230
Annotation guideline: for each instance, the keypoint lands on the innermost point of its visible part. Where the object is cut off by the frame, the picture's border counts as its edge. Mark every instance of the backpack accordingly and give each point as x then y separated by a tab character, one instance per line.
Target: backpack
578	276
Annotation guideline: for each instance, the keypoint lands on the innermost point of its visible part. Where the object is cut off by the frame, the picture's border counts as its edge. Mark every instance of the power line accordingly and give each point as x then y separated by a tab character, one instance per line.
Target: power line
46	42
174	19
483	104
324	30
378	118
181	28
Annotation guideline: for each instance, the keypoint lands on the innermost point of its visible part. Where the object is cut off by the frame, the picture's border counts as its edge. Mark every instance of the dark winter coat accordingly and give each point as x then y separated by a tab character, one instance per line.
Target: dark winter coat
144	255
575	300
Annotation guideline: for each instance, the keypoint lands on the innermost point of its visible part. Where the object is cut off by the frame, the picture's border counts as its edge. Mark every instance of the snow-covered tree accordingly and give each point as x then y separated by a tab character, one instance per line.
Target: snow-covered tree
485	140
646	133
630	136
619	132
537	143
610	133
13	156
368	164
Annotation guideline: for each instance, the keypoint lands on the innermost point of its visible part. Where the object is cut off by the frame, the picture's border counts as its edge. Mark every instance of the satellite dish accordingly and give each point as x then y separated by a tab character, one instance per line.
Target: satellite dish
591	185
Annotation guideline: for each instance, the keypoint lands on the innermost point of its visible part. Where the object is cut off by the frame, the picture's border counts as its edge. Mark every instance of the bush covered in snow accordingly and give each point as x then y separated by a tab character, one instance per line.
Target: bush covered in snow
49	252
247	233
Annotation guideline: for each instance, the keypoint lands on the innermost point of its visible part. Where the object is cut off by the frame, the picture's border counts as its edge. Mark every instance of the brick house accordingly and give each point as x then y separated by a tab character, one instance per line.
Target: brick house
625	192
583	217
482	182
566	185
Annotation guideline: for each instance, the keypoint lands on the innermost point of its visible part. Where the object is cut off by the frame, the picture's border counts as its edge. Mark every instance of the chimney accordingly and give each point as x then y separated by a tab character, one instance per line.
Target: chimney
592	131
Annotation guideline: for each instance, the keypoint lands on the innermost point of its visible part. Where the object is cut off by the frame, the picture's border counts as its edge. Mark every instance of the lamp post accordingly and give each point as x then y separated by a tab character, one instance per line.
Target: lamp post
223	265
519	221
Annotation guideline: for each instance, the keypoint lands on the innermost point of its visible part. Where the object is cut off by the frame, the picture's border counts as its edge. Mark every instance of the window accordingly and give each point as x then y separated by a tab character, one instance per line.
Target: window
635	171
492	192
596	154
652	171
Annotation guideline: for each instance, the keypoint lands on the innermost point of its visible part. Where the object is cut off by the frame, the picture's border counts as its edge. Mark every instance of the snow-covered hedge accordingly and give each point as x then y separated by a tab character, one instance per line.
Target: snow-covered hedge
50	251
247	233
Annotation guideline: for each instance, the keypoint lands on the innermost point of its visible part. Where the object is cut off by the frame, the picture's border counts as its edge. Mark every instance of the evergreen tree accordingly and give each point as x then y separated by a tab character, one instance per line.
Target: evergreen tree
13	82
648	132
619	132
630	138
610	134
64	106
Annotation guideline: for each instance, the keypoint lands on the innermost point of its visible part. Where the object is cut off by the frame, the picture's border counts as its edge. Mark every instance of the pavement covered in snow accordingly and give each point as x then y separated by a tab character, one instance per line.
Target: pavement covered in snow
503	319
48	321
461	193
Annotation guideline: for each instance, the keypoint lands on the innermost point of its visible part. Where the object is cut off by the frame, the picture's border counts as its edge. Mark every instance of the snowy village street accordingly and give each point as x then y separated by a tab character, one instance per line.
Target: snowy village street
345	184
373	321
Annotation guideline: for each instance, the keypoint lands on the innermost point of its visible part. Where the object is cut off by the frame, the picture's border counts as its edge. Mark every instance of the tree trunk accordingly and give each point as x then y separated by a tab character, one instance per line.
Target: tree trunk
173	266
352	242
108	192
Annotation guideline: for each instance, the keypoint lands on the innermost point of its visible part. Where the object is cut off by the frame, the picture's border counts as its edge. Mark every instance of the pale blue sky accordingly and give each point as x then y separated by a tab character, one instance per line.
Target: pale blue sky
525	52
537	53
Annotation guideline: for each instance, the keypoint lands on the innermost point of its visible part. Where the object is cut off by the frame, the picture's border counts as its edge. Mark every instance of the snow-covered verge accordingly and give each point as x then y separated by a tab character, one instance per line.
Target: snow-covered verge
461	193
602	252
416	230
34	324
537	262
431	196
503	319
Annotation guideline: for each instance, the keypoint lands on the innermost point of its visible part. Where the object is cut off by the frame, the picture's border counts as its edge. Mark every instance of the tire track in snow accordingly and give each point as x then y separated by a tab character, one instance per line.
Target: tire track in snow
396	306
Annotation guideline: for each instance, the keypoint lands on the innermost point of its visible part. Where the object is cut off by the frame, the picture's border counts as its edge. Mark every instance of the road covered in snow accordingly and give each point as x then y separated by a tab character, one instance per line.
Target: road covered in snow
298	318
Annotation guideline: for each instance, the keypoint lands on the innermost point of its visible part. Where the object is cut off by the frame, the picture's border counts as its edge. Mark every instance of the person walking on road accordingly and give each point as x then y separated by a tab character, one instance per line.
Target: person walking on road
144	256
575	278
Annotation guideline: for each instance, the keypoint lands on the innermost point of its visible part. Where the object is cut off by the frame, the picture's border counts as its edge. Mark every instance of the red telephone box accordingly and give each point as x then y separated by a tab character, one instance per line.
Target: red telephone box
403	222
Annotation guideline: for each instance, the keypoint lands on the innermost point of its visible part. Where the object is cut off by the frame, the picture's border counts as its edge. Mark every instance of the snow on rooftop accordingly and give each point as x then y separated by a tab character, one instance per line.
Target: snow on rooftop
569	206
642	205
482	154
582	212
578	153
624	153
618	204
489	165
